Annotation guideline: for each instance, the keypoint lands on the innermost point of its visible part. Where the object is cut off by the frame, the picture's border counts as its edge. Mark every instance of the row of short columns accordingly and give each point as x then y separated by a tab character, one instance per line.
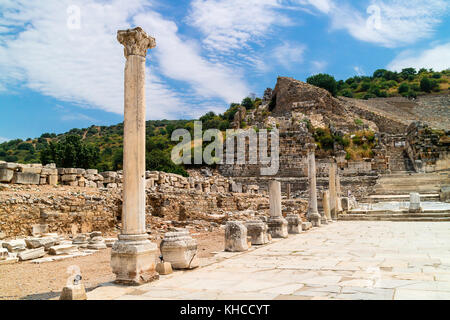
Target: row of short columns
239	236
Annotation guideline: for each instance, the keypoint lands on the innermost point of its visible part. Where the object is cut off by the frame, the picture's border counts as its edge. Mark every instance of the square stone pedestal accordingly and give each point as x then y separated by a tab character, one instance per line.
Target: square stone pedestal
257	231
294	224
133	260
278	227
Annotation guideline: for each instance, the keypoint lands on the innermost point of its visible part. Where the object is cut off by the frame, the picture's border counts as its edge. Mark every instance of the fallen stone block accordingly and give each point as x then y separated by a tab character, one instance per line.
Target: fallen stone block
62	249
9	260
306	225
164	268
73	292
39	229
180	249
6	175
4	253
31	254
15	245
45	242
235	237
52	180
69	178
70	171
96	243
91	171
110	242
26	178
49	171
31	170
9	165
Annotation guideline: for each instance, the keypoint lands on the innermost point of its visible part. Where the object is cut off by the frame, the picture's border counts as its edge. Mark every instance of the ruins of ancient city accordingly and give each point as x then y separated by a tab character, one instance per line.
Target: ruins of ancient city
321	224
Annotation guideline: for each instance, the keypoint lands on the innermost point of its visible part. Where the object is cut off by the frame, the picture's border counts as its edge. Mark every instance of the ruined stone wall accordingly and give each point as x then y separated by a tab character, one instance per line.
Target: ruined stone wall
428	149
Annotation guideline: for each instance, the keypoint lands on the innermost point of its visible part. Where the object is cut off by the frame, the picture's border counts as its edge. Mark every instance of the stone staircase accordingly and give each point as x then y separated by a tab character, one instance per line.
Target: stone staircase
435	216
395	188
399	160
402	183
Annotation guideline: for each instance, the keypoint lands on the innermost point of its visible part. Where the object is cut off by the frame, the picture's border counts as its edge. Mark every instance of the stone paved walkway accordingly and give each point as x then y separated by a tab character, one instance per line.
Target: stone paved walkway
343	260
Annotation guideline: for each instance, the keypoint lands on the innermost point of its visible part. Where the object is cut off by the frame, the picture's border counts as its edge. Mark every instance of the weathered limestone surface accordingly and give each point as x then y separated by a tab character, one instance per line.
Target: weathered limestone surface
3	253
313	214
326	204
73	292
6	175
62	249
31	254
332	190
278	226
45	242
164	268
235	236
15	245
294	224
133	257
180	250
257	231
26	178
414	202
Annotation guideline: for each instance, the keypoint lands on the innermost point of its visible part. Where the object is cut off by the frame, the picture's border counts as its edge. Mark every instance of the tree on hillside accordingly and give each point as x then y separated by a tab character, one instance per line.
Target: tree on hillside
426	84
325	81
71	152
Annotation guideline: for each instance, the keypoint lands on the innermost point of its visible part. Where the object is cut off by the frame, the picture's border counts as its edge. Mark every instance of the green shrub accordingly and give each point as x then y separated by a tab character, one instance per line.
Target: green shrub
325	81
404	87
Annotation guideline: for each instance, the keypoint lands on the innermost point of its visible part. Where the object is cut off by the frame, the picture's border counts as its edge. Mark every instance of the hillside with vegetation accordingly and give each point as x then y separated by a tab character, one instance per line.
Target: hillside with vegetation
408	83
101	146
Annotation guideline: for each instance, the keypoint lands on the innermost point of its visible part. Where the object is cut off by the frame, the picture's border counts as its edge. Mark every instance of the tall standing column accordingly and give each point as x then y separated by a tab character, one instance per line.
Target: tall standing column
332	189
133	256
276	223
313	214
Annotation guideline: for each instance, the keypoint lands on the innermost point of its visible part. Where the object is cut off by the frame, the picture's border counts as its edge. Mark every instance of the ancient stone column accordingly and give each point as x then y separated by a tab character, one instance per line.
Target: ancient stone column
277	224
326	205
288	191
313	214
332	189
338	191
133	256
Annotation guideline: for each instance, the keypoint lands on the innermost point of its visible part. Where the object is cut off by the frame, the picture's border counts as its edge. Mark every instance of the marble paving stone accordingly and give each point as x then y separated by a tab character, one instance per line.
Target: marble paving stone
343	260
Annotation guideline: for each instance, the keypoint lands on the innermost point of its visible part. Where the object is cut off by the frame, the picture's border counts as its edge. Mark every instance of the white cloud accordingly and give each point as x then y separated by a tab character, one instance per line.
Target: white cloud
85	65
359	71
322	5
231	24
390	23
288	54
437	58
2	139
180	59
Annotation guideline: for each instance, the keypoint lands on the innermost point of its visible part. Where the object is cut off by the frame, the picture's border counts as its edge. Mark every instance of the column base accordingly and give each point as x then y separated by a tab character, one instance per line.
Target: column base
133	260
314	218
278	227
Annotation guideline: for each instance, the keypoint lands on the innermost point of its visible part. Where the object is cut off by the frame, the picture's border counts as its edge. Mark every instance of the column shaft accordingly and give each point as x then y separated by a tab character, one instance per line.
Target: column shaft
133	213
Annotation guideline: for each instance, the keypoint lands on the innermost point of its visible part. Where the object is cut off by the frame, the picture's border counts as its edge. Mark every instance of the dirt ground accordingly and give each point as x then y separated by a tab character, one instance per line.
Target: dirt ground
29	281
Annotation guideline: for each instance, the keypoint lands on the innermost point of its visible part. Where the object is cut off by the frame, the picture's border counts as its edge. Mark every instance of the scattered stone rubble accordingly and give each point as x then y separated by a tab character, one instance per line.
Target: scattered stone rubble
47	247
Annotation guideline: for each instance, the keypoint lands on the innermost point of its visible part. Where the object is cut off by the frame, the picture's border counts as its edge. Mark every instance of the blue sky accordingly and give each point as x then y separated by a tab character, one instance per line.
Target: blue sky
61	66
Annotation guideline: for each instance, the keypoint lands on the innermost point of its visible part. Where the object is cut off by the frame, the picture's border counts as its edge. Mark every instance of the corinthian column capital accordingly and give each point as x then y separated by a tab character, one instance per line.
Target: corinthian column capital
135	41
